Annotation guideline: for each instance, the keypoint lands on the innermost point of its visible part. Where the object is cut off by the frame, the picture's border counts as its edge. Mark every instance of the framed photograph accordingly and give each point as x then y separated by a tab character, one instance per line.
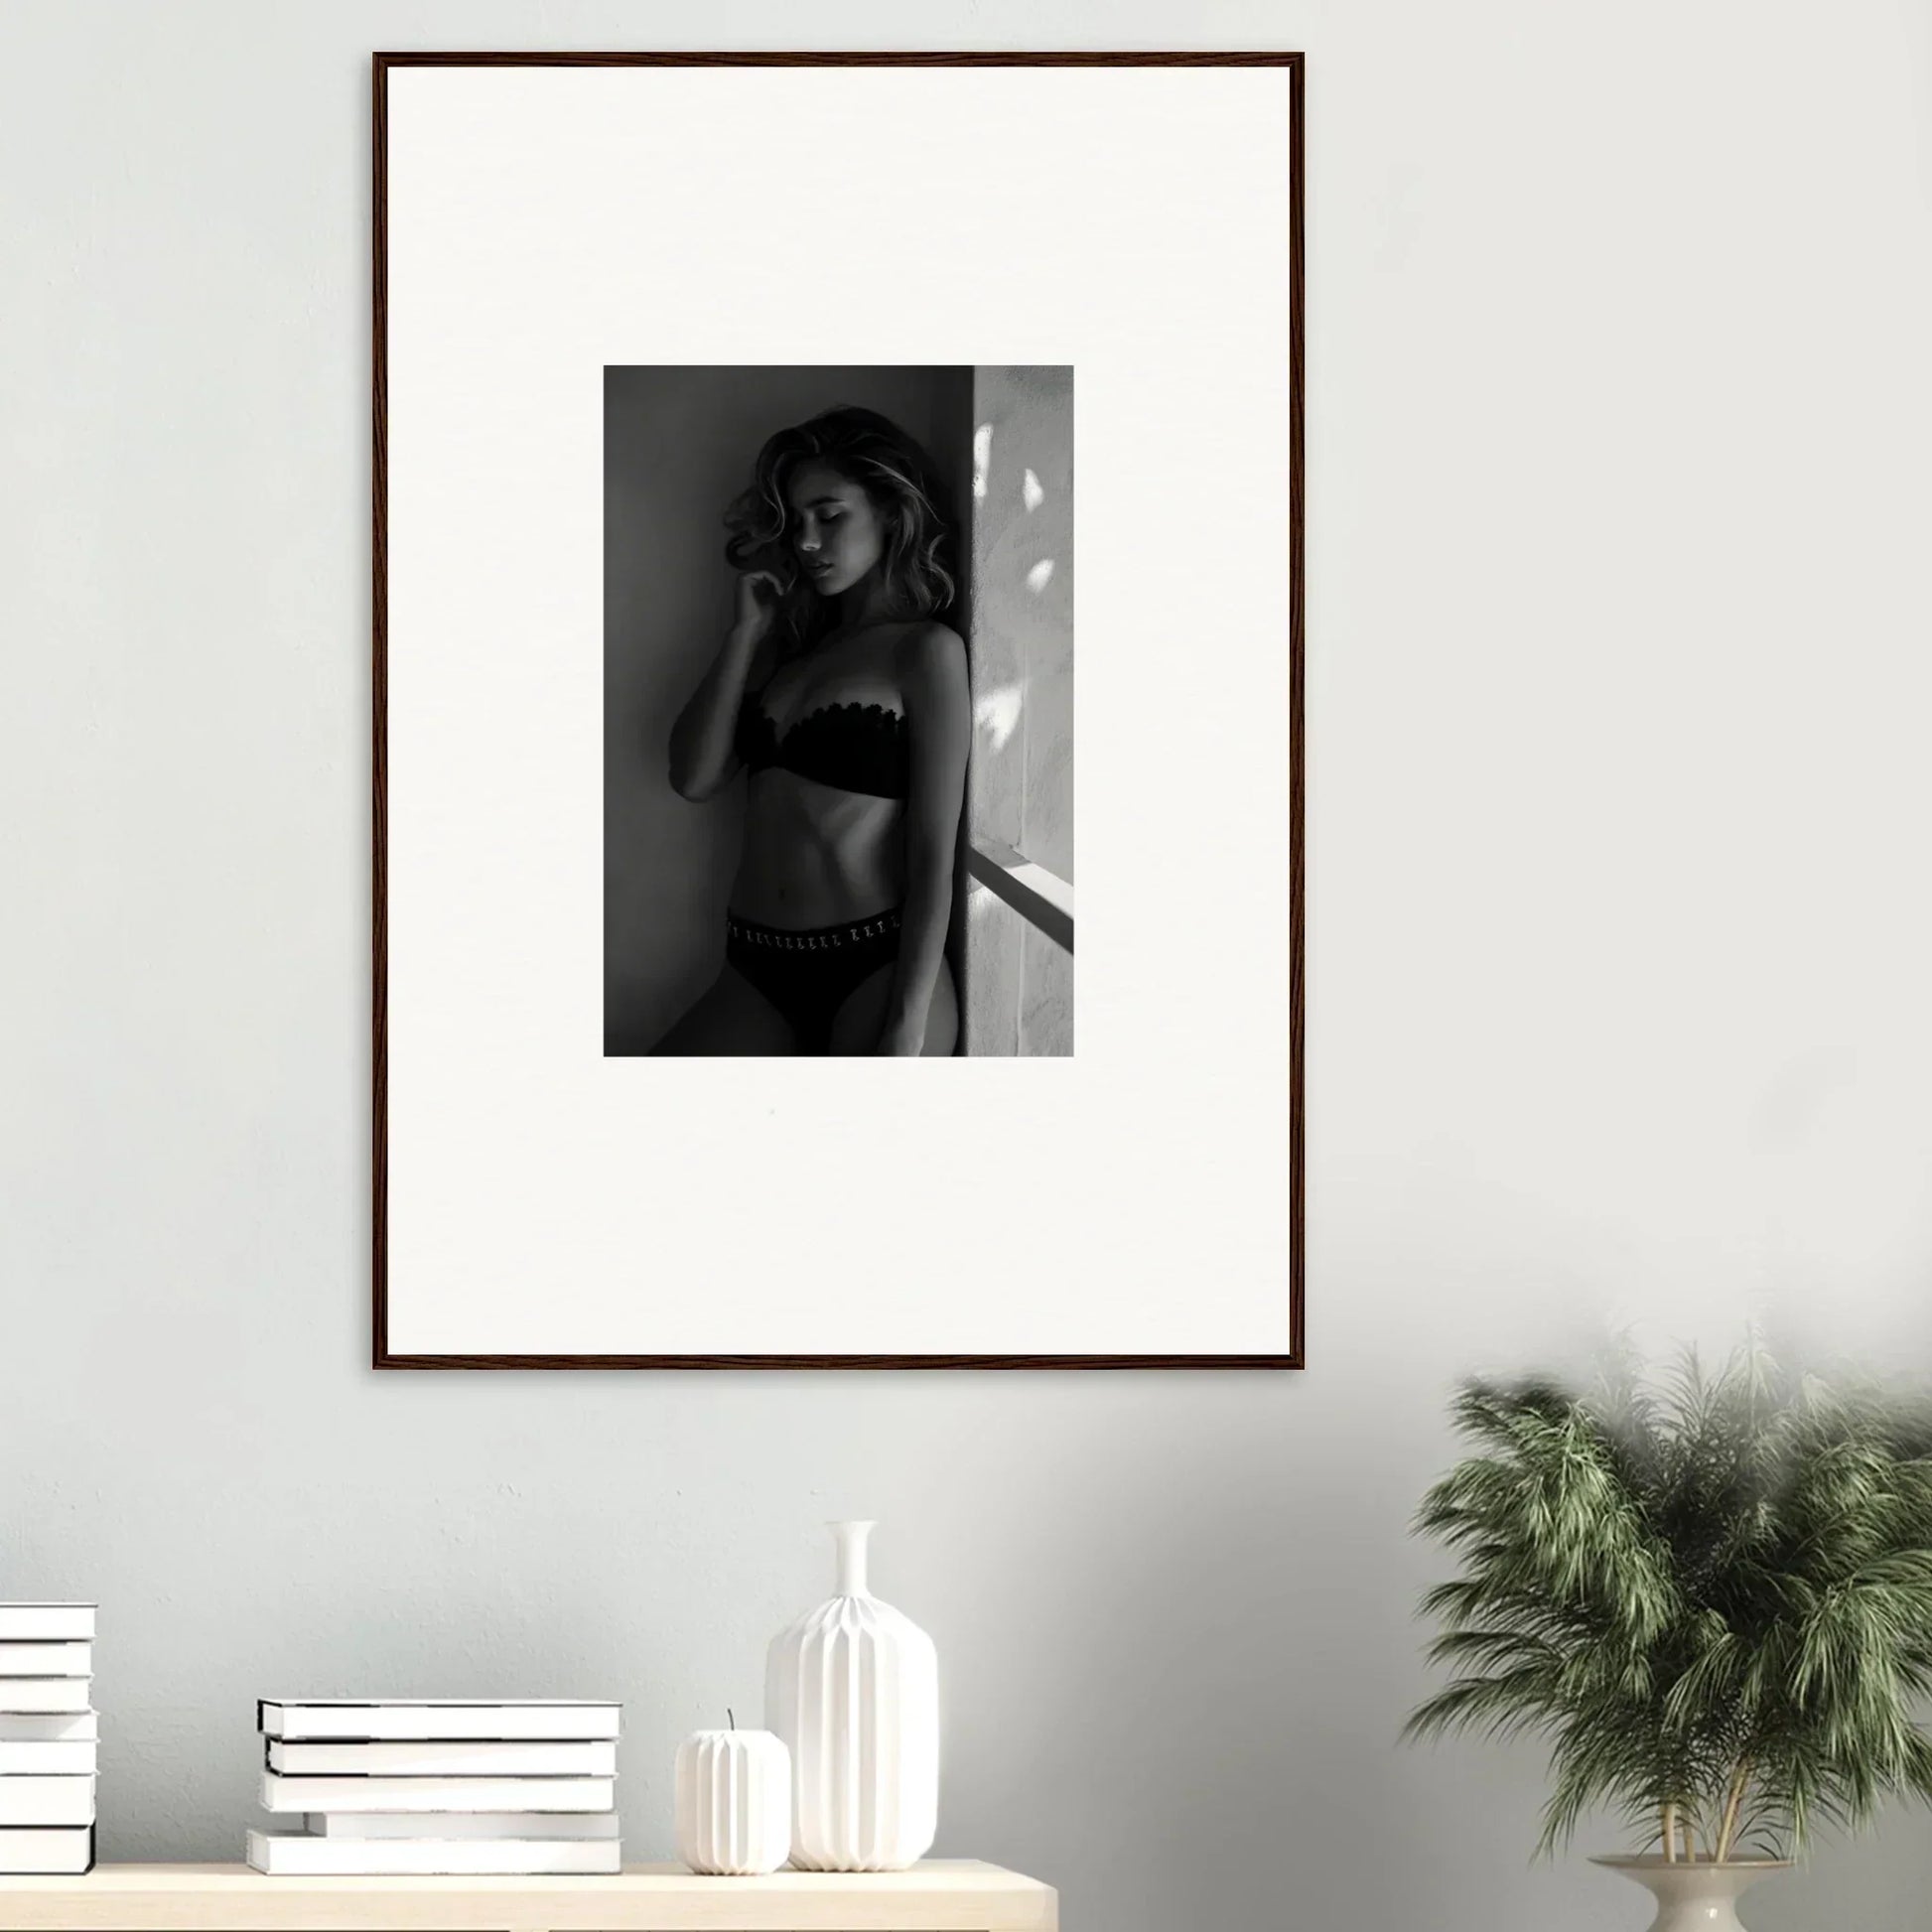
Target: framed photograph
739	420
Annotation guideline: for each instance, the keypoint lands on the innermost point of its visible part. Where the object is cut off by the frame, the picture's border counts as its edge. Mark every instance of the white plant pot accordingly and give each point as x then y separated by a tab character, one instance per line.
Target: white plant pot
1694	1897
733	1802
853	1689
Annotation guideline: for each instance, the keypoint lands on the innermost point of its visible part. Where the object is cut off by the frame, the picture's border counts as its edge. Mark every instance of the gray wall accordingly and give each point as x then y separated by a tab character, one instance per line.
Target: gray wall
1619	948
678	446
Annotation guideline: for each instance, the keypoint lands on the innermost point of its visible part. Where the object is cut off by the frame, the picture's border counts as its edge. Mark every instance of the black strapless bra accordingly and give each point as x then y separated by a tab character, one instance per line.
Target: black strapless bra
852	746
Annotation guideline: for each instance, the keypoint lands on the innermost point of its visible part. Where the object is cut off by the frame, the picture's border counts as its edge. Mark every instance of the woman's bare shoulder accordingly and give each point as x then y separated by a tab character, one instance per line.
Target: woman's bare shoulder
931	665
927	644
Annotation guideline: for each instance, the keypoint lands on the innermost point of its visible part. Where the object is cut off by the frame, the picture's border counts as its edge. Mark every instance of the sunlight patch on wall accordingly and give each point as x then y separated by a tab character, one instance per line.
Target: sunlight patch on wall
1030	490
998	712
1040	576
981	456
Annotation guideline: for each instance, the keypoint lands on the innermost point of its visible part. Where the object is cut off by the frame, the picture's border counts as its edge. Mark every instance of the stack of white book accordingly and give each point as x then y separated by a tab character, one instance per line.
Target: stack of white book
439	1785
47	1733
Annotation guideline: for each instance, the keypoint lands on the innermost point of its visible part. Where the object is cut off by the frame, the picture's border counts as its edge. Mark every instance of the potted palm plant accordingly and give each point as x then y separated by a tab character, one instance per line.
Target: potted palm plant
1712	1596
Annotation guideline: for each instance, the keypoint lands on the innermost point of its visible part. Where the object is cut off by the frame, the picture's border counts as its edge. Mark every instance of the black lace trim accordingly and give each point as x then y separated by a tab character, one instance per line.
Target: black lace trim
851	747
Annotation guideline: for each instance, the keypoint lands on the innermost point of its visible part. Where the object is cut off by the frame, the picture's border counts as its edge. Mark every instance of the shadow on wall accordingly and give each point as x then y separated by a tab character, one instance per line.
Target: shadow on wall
678	444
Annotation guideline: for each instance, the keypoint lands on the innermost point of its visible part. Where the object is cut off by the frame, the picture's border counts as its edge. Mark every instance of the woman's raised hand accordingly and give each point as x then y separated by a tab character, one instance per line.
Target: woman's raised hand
758	591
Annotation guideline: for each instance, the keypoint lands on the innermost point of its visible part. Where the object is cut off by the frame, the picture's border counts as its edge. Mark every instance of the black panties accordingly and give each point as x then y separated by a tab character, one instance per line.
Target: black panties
808	974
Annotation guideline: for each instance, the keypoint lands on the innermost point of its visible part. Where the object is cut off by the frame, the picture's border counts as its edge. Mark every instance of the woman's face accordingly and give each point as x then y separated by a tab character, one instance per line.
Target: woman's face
836	533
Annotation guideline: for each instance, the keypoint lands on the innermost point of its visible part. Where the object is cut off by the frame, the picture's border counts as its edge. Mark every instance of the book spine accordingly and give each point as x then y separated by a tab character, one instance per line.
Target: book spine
463	1824
454	1759
49	1757
296	1854
59	1852
49	1726
38	1800
282	1793
43	1623
33	1696
359	1723
45	1659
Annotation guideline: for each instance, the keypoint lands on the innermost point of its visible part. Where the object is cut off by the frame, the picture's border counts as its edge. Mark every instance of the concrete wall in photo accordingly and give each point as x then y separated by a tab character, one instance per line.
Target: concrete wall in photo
1020	983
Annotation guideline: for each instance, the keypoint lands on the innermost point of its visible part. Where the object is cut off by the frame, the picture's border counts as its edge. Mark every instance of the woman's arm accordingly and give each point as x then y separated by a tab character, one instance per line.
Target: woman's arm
938	719
703	761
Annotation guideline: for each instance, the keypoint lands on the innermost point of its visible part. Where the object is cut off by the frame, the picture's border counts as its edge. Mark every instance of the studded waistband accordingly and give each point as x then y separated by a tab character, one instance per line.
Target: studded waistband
746	932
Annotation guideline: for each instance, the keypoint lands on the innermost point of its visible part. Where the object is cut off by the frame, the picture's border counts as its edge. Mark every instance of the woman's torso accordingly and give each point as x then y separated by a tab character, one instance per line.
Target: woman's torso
818	853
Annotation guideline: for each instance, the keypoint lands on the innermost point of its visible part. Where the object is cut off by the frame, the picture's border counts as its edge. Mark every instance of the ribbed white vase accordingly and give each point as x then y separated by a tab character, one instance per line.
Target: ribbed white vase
852	1688
733	1802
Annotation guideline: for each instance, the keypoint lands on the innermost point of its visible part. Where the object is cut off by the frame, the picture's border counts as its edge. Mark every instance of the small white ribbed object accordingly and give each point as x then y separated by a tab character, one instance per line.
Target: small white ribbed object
733	1802
852	1688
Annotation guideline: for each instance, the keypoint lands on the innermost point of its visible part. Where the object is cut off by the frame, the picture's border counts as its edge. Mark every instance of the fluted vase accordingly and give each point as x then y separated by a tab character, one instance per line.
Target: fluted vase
853	1689
1693	1896
733	1802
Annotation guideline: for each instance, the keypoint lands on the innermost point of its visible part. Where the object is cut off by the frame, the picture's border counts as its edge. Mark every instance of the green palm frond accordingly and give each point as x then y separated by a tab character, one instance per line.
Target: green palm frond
1710	1595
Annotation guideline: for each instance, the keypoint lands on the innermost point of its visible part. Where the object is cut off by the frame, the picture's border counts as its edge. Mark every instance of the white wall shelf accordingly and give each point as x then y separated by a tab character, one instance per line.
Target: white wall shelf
936	1895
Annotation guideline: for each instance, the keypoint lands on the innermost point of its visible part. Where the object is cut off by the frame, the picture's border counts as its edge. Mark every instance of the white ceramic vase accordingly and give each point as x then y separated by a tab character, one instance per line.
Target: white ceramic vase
1693	1898
733	1802
852	1688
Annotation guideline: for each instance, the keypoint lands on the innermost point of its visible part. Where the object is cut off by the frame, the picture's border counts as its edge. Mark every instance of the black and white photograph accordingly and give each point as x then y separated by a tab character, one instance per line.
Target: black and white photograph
838	727
726	722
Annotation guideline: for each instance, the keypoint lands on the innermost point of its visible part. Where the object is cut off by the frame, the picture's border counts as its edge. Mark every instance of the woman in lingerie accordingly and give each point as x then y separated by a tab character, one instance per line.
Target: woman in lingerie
843	696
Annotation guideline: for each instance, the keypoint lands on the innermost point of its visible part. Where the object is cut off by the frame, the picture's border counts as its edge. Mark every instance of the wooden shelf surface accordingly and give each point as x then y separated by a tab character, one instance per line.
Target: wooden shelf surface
937	1895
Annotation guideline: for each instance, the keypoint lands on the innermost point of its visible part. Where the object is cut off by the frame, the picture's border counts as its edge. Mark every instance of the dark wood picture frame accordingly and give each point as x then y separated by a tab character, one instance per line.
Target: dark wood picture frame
383	1357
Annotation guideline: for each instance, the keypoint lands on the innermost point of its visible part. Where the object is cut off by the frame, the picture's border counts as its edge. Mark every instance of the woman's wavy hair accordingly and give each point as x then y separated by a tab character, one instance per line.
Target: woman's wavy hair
920	566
